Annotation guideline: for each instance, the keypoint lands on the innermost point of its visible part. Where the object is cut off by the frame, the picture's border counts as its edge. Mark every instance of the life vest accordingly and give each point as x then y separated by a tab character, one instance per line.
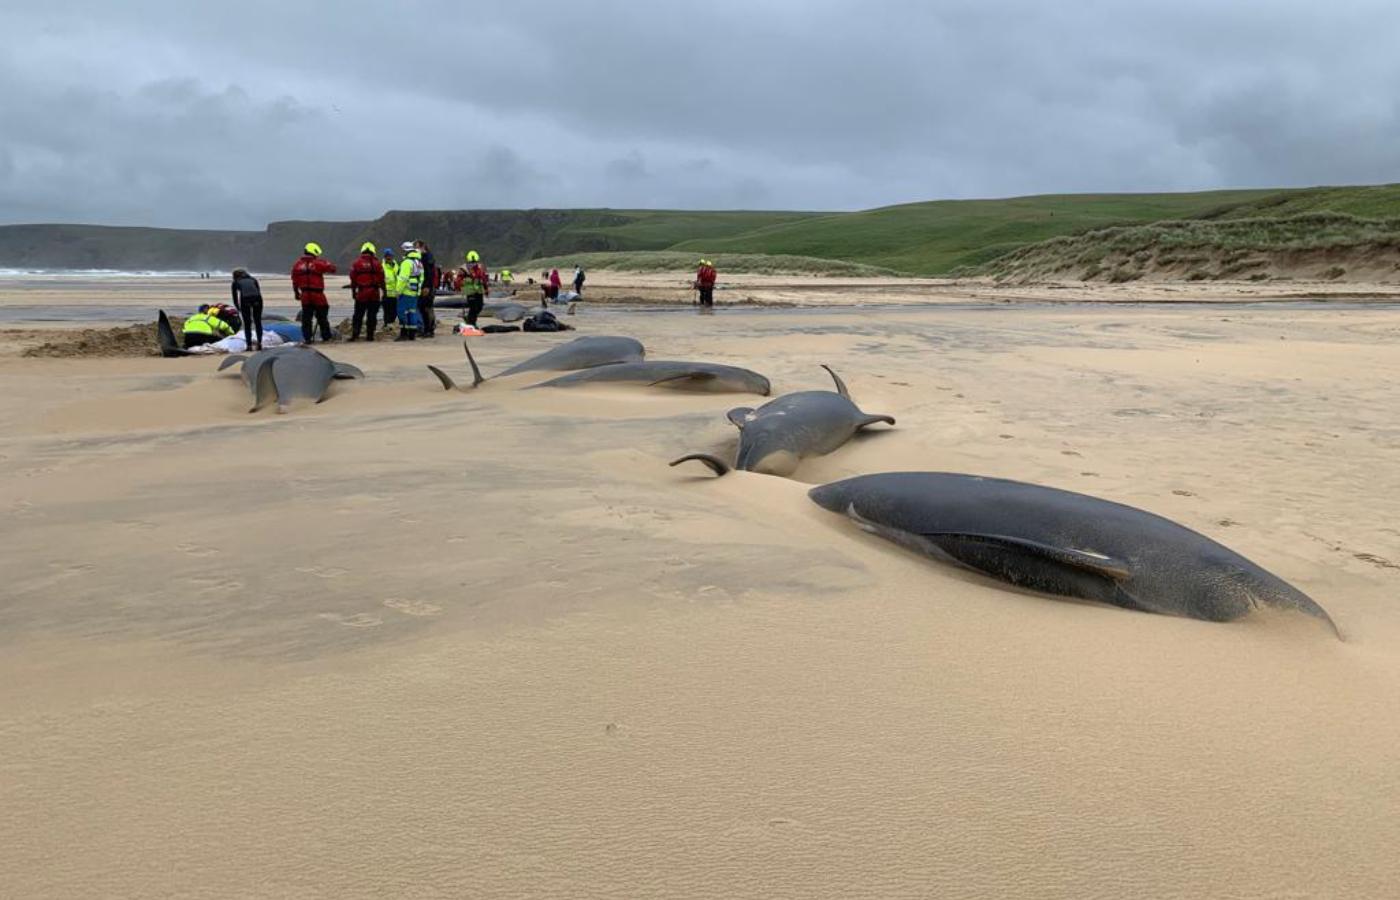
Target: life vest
366	277
706	276
506	277
476	282
410	275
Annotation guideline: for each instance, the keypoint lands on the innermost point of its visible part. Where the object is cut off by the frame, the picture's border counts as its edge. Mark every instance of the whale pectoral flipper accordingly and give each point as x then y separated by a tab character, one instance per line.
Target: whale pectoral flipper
230	360
266	387
840	385
739	416
717	465
871	420
345	370
447	382
1039	567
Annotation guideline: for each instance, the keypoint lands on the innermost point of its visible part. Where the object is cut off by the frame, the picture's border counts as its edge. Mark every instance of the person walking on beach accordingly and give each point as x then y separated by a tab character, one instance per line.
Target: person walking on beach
367	286
409	279
705	278
247	296
552	292
309	286
427	292
391	287
578	280
474	286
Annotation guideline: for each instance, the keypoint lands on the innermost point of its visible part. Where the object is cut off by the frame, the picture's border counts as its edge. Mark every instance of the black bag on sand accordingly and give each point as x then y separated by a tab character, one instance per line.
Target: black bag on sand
544	321
500	329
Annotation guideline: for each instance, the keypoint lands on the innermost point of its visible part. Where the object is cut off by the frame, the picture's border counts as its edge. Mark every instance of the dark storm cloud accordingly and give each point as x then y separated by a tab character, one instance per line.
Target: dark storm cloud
236	114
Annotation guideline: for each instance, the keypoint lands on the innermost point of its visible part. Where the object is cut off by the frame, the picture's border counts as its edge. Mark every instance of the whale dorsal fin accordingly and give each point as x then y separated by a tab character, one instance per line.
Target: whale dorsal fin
840	385
972	550
471	360
345	370
739	416
266	386
230	360
717	465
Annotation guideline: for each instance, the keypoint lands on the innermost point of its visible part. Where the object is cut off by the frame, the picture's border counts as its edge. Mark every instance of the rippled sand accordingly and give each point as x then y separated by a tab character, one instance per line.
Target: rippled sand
412	643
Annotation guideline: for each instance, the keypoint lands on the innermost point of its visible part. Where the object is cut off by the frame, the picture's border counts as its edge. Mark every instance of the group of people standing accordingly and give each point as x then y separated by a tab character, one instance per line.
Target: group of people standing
399	286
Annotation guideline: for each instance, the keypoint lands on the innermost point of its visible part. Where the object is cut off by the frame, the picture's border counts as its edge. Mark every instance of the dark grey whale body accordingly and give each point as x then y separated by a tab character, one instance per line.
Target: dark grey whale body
1060	542
289	373
686	376
777	436
580	353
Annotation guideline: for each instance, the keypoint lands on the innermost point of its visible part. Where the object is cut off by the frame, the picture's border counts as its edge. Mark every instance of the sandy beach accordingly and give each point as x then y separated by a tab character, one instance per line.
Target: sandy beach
414	643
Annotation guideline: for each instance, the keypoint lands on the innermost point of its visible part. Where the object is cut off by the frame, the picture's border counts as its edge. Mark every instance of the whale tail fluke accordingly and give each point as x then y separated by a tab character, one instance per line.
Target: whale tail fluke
447	383
265	388
717	465
165	336
471	360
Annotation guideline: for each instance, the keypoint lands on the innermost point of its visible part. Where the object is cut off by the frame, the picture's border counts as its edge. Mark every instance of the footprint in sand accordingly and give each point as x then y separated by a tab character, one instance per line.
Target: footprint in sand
412	607
1070	453
1378	561
199	550
359	620
458	539
322	571
1183	493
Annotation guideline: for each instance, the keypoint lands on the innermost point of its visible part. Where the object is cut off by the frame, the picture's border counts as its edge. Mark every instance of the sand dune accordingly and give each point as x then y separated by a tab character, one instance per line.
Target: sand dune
412	642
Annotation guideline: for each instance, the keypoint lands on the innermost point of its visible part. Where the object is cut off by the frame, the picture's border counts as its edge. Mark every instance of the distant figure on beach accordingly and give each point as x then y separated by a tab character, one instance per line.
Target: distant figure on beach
506	277
475	286
309	287
551	285
367	287
391	287
426	315
705	278
247	296
409	280
578	280
205	327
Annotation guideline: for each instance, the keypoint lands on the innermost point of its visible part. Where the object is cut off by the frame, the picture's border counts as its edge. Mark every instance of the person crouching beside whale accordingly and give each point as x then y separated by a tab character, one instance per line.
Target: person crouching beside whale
247	296
309	286
366	283
205	327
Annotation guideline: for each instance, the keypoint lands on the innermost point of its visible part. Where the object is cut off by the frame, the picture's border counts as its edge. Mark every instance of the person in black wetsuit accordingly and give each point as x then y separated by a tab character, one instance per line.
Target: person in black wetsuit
247	296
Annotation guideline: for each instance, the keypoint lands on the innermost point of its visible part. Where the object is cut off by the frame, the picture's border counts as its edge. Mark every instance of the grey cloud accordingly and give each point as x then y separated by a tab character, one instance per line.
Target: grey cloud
200	114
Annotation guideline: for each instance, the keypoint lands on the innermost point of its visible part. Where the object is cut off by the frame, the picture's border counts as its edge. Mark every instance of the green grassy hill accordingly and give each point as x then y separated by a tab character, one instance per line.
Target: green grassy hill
934	238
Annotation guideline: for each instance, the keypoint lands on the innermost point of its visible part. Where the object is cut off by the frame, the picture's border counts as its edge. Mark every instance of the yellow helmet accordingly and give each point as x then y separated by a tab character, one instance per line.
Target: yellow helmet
367	247
473	256
313	248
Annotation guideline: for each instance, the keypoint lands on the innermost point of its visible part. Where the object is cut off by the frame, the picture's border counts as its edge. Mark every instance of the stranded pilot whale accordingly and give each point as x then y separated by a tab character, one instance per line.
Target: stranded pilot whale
1061	542
290	373
777	436
686	376
580	353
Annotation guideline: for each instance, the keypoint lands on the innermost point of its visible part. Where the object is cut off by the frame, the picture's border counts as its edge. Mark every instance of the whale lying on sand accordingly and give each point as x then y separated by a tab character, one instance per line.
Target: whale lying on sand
686	376
1060	542
580	353
777	436
291	373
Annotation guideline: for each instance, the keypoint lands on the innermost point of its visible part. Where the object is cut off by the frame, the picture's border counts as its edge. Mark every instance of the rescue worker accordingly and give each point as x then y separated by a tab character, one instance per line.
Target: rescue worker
554	284
367	287
391	287
428	291
475	286
309	286
247	295
205	327
506	277
705	278
409	279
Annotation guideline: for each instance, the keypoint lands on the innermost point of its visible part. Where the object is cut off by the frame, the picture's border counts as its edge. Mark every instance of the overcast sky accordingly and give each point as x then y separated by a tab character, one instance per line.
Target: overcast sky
198	114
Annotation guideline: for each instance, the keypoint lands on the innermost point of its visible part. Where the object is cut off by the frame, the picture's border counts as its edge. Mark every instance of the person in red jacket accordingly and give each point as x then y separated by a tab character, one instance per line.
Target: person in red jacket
309	286
705	278
367	286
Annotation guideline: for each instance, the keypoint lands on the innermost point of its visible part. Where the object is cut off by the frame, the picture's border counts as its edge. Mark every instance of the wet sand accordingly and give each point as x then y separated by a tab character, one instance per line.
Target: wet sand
416	643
